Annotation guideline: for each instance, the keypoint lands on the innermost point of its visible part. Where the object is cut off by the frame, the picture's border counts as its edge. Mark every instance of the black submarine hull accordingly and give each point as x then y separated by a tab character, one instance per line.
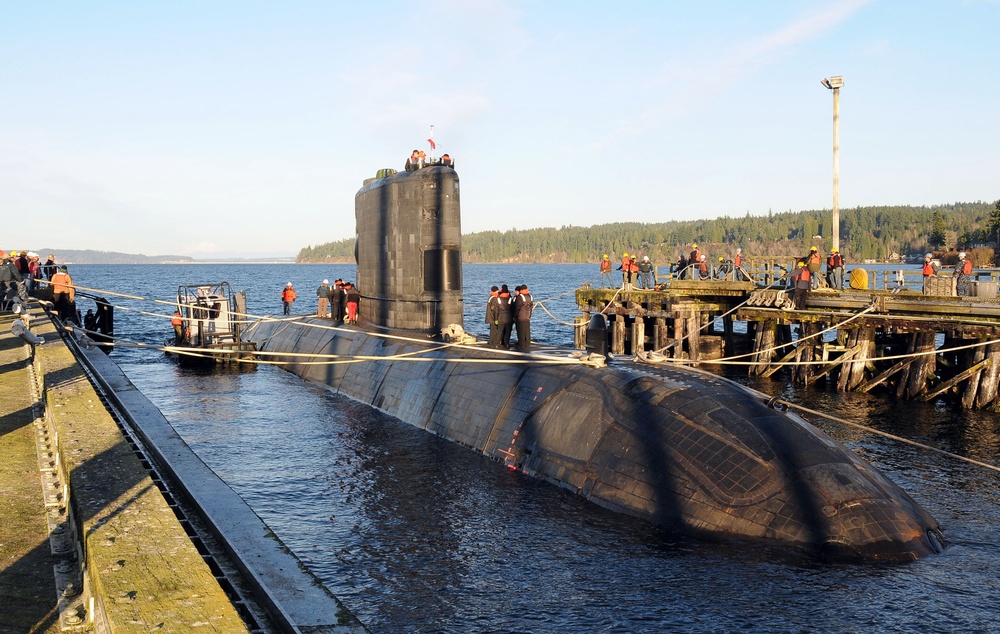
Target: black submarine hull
674	446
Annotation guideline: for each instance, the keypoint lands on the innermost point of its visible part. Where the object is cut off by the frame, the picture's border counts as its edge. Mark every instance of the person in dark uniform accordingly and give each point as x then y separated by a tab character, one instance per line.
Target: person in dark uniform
506	316
493	317
337	301
523	306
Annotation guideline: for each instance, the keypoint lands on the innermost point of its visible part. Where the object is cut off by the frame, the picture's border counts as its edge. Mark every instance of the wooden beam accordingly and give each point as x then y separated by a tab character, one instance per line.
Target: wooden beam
838	361
955	380
867	385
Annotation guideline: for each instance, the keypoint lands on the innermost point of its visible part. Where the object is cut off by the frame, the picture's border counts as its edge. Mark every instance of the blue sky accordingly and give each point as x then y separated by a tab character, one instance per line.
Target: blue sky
244	128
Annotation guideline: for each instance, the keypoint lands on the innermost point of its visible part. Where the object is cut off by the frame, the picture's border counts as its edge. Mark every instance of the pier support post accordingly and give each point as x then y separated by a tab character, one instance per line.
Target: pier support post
660	335
763	344
580	331
638	335
618	335
694	335
923	367
972	384
990	378
866	339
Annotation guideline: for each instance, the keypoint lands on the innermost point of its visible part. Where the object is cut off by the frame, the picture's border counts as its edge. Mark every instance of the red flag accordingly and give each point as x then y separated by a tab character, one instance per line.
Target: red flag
433	144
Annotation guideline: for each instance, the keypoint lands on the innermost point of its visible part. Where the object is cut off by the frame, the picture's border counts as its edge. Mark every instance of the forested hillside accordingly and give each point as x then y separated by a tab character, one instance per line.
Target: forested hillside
865	233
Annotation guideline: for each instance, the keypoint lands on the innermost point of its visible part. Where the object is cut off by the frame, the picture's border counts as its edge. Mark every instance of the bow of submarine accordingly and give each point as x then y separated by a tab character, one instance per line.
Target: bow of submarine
707	458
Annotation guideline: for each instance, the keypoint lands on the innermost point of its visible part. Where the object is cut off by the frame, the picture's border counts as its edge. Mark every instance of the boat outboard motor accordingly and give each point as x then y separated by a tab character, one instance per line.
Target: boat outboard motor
597	335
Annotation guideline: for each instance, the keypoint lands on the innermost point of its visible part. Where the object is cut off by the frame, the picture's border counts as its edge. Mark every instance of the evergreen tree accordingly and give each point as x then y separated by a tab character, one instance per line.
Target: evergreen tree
937	237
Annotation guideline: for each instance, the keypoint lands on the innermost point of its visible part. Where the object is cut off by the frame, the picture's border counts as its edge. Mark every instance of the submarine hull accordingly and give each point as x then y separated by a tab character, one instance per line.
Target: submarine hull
673	446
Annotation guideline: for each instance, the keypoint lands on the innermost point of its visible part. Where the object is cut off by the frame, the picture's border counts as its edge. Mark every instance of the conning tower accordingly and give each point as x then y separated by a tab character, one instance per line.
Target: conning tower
409	249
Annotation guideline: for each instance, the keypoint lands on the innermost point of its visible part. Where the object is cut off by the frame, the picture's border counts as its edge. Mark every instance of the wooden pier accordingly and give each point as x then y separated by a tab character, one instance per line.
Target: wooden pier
893	339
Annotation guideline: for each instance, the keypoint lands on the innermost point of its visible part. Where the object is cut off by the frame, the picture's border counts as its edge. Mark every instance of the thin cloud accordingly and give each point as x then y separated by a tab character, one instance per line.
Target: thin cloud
694	86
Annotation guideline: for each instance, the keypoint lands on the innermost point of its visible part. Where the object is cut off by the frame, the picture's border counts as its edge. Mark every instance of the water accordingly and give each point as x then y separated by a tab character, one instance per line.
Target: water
417	534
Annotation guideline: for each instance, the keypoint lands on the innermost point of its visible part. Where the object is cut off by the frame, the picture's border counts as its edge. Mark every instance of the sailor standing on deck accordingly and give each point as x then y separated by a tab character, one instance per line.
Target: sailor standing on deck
523	306
323	299
506	316
493	310
337	301
353	297
287	297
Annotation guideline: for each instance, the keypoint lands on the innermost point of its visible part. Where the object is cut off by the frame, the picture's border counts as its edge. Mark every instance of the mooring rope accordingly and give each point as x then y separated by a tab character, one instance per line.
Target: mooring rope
775	402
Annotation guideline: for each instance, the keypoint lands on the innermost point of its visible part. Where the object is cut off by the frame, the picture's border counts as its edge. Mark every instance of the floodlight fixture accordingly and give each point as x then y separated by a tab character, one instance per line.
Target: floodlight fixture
837	81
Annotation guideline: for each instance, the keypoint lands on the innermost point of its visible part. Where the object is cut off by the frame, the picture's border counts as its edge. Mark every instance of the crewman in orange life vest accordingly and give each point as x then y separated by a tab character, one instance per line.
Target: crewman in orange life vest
287	297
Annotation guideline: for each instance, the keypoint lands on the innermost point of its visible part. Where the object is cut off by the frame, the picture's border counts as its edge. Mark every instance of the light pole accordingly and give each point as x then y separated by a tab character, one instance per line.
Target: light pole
834	84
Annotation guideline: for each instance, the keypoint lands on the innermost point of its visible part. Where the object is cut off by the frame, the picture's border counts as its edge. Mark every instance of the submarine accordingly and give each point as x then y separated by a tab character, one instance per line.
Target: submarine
677	446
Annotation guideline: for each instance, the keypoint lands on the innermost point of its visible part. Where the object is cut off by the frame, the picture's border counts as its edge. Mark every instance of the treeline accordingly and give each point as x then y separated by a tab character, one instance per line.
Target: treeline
865	233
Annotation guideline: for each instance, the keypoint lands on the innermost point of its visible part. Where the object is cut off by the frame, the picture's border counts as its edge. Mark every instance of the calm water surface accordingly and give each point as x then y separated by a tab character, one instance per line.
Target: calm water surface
416	534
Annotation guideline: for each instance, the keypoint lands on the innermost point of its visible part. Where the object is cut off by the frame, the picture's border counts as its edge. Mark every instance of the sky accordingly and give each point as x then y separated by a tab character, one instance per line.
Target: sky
243	129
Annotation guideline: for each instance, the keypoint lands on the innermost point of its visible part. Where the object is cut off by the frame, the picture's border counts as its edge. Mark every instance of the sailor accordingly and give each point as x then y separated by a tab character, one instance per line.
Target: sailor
523	307
447	161
287	297
337	301
323	299
177	321
353	301
493	311
20	329
506	316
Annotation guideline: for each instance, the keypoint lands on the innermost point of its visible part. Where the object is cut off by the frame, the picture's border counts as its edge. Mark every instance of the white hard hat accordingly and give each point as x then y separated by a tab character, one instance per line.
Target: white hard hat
326	281
17	309
646	258
703	257
289	284
739	250
928	255
962	254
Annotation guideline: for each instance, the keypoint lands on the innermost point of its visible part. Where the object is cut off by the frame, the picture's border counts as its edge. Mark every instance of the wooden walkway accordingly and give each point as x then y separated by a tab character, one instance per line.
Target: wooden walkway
902	341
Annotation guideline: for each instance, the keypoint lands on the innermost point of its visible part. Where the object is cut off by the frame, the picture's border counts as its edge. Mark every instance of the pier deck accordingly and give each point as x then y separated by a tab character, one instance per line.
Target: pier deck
919	346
